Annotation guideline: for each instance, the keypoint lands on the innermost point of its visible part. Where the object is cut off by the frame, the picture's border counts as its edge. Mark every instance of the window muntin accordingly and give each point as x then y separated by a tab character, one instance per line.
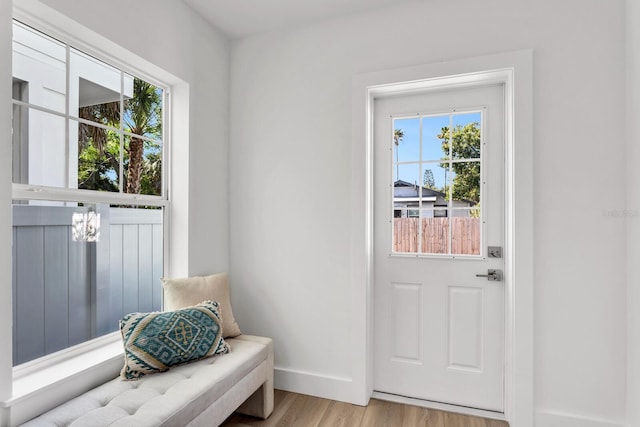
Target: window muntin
89	199
436	170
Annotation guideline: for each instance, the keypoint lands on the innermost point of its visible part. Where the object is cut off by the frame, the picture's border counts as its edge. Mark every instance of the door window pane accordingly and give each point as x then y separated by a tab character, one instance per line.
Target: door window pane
405	233
466	136
435	232
406	139
434	178
465	232
433	137
407	175
465	183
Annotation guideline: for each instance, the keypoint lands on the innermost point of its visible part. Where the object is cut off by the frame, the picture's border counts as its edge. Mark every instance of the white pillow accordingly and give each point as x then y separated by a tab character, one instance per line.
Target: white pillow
190	291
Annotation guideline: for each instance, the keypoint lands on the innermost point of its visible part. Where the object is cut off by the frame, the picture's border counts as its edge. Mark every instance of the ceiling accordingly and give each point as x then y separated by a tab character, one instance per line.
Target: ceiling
242	18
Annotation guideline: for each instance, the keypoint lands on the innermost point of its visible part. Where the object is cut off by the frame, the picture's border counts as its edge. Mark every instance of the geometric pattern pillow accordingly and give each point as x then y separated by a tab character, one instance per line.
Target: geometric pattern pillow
153	342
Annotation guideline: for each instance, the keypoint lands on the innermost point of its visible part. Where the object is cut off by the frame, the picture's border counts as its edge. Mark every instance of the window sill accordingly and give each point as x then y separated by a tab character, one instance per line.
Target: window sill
95	360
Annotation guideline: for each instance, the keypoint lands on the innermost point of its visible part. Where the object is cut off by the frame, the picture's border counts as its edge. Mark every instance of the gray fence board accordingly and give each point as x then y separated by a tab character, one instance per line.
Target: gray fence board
15	293
79	291
101	297
130	267
145	267
30	299
157	266
56	288
115	276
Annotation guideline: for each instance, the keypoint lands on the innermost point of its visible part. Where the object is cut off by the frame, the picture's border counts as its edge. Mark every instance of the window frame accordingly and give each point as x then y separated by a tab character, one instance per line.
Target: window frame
20	191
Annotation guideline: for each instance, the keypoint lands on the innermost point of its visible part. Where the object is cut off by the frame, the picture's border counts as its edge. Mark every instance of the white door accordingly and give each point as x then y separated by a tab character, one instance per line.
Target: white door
439	206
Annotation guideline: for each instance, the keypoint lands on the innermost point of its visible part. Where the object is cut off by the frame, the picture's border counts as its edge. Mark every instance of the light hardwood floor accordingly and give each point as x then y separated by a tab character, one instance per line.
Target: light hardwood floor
298	410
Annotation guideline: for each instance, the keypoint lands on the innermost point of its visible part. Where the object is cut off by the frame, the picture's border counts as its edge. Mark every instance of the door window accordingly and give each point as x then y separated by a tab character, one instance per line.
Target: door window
437	184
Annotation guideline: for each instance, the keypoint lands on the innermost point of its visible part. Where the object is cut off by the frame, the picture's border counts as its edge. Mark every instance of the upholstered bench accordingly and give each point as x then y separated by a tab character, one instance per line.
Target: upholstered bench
200	393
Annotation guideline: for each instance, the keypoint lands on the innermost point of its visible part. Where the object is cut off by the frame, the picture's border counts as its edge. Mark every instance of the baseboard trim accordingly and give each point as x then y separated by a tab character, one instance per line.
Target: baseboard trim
313	384
556	419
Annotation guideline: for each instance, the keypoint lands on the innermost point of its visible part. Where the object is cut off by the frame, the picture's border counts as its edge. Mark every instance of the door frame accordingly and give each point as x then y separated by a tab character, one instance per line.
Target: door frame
514	71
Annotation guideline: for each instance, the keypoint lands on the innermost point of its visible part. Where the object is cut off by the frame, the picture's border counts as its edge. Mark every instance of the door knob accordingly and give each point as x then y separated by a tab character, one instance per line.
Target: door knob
492	275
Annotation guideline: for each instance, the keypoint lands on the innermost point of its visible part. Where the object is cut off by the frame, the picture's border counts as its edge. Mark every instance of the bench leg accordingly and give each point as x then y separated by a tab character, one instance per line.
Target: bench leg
260	403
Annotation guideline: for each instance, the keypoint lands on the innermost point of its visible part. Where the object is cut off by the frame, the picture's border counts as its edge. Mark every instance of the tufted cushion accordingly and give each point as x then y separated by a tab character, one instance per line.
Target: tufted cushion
153	342
173	398
184	292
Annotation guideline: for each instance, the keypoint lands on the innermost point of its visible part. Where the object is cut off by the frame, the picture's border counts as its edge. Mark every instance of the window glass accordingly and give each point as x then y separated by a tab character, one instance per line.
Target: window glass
432	137
95	89
78	268
88	241
406	138
38	147
142	166
40	64
114	138
437	184
435	232
465	232
98	157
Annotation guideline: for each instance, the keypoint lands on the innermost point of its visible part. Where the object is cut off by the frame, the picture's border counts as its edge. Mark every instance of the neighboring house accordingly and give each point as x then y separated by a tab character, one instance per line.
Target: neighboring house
406	201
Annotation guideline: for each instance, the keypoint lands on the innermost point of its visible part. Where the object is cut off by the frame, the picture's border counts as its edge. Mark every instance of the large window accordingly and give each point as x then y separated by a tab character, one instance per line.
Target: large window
89	196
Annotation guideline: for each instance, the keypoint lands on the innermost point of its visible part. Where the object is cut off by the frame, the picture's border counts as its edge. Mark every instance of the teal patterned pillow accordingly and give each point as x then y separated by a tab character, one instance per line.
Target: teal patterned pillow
153	342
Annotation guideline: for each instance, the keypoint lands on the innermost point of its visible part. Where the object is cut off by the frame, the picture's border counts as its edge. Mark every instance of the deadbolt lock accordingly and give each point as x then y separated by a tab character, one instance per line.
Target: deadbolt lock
494	251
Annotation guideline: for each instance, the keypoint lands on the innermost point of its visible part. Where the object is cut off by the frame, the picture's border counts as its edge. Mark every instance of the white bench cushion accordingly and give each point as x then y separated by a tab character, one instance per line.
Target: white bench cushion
172	398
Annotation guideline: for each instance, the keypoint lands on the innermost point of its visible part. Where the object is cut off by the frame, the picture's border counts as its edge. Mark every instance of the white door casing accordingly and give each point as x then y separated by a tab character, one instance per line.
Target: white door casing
439	330
515	71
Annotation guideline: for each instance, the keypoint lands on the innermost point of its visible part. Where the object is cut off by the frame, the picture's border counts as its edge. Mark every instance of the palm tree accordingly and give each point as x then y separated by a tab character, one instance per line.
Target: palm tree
398	135
142	116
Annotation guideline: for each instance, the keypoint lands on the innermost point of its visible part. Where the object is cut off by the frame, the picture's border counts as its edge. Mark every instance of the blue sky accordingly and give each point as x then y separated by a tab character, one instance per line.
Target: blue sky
409	148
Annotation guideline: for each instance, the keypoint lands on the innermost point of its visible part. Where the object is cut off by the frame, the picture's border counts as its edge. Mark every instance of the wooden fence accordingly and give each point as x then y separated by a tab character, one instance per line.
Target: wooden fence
465	235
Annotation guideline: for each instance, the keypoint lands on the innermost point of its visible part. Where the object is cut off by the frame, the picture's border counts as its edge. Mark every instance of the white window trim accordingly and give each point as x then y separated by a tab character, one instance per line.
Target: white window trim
73	371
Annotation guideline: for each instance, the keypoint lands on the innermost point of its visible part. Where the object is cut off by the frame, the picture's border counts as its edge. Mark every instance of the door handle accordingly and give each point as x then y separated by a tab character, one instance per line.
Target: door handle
492	275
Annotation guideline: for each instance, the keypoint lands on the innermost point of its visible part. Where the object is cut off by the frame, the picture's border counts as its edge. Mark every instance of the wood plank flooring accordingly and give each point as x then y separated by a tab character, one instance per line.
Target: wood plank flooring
298	410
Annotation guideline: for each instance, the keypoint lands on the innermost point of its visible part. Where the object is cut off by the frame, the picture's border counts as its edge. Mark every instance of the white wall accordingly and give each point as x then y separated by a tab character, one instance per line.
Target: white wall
290	174
176	39
633	212
5	203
